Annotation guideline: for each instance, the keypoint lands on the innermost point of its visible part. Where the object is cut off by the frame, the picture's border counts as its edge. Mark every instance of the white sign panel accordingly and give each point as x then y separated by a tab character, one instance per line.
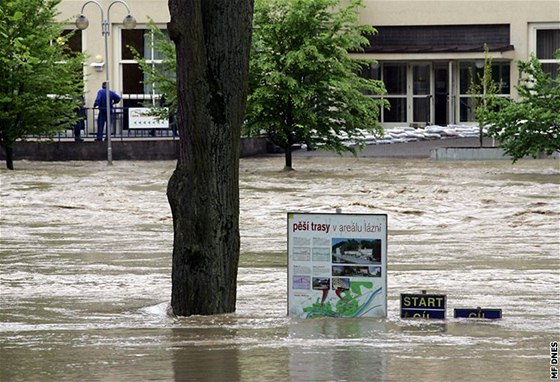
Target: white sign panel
337	265
139	118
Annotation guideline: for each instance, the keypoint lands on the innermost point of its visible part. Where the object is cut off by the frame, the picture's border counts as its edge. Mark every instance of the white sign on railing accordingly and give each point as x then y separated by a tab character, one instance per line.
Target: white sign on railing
139	118
337	265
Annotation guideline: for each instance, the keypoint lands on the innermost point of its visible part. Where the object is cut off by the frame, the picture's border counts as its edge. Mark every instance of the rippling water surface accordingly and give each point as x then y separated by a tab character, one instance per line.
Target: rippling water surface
85	274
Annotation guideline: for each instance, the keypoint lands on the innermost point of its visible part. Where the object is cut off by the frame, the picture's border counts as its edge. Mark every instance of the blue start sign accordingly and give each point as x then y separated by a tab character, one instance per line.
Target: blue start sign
423	306
489	314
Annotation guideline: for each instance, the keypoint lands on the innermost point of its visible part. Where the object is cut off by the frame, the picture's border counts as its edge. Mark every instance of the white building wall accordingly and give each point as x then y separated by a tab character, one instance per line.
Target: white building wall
518	13
93	41
521	15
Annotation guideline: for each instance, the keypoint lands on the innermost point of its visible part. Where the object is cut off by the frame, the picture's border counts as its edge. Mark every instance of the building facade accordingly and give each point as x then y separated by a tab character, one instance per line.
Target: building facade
426	51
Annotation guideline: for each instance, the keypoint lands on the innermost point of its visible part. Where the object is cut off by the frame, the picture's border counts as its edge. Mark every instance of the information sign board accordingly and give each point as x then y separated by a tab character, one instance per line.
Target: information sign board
337	265
139	118
489	314
423	306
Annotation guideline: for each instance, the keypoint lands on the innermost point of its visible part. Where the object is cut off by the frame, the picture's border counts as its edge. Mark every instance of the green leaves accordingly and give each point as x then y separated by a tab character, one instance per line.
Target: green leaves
162	75
40	83
531	125
303	82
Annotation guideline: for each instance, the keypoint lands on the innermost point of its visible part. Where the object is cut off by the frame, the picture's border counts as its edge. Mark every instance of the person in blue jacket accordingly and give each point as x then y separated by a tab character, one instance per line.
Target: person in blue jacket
101	103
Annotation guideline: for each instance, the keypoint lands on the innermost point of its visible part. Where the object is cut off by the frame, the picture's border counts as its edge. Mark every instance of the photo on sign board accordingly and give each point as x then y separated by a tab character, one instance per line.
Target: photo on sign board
320	283
356	251
340	283
301	282
356	271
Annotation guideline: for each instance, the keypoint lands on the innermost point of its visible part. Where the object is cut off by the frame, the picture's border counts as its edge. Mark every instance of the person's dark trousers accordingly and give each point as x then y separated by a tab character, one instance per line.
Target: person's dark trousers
80	124
78	133
101	120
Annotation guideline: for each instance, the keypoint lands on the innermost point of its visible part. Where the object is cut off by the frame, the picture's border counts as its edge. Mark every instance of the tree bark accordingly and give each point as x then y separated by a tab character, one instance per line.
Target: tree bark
9	157
212	40
288	158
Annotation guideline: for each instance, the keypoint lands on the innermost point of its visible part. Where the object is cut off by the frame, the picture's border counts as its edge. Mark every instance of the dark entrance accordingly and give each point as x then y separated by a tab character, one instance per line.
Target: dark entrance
441	93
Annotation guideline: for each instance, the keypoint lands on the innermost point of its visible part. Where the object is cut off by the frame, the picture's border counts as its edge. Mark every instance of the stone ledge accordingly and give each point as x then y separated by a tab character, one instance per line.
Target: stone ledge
477	153
157	149
468	153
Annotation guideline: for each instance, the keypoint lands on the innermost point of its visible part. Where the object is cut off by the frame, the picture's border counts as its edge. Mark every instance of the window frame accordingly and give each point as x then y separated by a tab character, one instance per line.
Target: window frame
152	96
533	32
465	99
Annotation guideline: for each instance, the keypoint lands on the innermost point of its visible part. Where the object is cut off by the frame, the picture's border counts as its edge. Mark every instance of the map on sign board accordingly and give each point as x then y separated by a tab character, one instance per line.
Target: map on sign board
337	265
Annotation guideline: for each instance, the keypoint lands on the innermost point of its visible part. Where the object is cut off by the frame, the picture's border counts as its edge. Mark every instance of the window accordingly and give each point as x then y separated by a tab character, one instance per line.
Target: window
136	90
73	40
394	77
421	92
473	70
371	72
547	43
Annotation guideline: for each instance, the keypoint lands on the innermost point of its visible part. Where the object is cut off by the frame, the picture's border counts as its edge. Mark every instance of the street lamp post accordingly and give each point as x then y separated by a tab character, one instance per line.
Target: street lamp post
129	23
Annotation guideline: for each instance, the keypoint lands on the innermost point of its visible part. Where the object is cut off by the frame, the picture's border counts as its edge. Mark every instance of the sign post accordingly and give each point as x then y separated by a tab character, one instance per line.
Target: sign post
423	306
140	118
337	265
489	314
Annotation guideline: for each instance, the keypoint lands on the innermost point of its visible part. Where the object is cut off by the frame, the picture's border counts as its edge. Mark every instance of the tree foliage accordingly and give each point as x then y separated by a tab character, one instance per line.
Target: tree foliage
41	81
304	86
531	125
484	89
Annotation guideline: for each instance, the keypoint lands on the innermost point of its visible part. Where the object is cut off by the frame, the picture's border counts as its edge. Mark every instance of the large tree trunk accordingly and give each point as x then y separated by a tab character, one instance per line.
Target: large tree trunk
212	39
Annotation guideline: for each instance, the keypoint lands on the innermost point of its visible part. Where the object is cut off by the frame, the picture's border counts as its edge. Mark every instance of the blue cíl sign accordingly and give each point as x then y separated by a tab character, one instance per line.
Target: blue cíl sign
489	314
430	306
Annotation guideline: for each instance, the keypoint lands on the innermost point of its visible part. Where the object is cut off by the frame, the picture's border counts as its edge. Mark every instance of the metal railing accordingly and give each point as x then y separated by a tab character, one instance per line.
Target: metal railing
120	128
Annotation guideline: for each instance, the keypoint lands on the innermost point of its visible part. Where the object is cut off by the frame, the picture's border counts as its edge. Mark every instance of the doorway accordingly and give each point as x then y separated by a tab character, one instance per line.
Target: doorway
421	93
441	93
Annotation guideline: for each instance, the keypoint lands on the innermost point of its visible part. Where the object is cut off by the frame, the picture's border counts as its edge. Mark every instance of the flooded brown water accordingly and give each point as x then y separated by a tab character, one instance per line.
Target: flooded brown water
85	254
